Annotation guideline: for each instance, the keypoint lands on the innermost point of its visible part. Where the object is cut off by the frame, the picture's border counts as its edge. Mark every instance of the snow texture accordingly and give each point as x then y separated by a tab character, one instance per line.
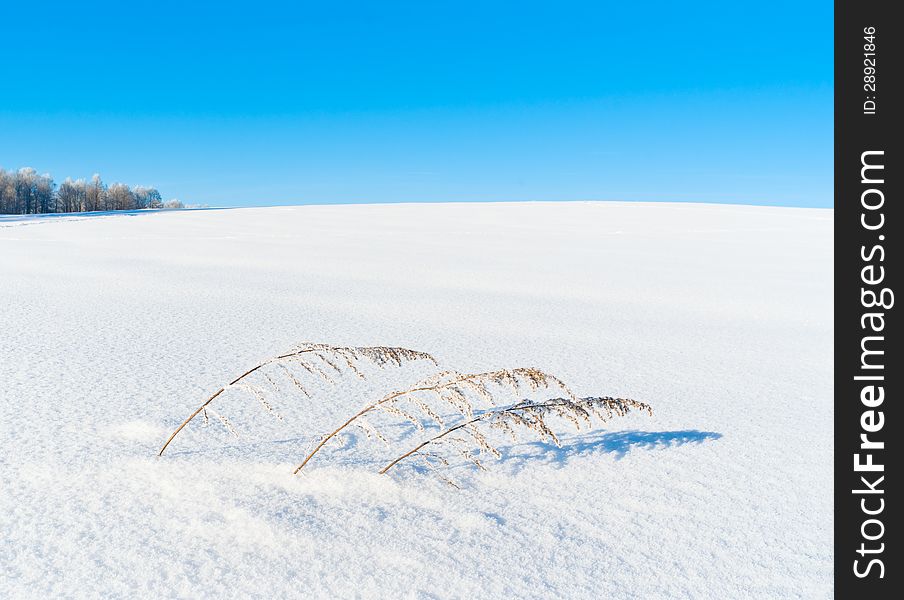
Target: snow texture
114	328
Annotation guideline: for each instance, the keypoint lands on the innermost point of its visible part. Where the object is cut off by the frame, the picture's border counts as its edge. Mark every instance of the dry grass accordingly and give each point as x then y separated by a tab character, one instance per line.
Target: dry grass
473	399
450	389
526	415
321	361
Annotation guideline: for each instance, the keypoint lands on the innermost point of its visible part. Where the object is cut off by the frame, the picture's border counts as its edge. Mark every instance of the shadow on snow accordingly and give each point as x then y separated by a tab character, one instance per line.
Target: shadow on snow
618	443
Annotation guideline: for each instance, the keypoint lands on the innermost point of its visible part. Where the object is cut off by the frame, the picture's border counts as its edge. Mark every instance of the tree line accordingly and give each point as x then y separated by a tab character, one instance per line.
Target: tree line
25	192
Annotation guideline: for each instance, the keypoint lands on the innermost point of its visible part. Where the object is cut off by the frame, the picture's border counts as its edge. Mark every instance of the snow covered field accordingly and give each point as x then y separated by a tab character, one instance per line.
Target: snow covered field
114	328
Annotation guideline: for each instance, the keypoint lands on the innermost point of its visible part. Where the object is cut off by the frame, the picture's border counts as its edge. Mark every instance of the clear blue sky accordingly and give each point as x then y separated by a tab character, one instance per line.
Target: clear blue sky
258	103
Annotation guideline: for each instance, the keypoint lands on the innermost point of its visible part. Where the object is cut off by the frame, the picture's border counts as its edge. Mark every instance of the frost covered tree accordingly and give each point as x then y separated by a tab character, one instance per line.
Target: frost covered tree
120	197
31	193
71	196
67	196
95	194
7	192
147	197
45	199
27	192
24	186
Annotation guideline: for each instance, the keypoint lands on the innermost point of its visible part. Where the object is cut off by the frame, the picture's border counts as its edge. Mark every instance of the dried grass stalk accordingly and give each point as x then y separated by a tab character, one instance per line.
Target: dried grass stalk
332	357
452	389
527	415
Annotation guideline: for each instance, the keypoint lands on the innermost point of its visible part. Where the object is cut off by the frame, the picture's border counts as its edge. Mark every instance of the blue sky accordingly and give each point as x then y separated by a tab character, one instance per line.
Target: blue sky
266	103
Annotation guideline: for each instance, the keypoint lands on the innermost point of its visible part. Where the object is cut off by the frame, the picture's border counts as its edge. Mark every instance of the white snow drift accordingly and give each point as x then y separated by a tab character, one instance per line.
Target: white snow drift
114	328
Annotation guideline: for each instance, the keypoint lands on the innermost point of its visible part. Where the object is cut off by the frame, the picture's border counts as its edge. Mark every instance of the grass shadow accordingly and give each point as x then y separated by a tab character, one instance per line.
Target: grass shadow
618	443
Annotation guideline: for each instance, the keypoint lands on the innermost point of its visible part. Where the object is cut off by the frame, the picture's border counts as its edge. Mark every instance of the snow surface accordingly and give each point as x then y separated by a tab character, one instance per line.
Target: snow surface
113	329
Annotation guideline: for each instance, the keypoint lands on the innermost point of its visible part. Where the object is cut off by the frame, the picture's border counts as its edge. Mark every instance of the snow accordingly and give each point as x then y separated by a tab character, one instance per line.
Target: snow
114	328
